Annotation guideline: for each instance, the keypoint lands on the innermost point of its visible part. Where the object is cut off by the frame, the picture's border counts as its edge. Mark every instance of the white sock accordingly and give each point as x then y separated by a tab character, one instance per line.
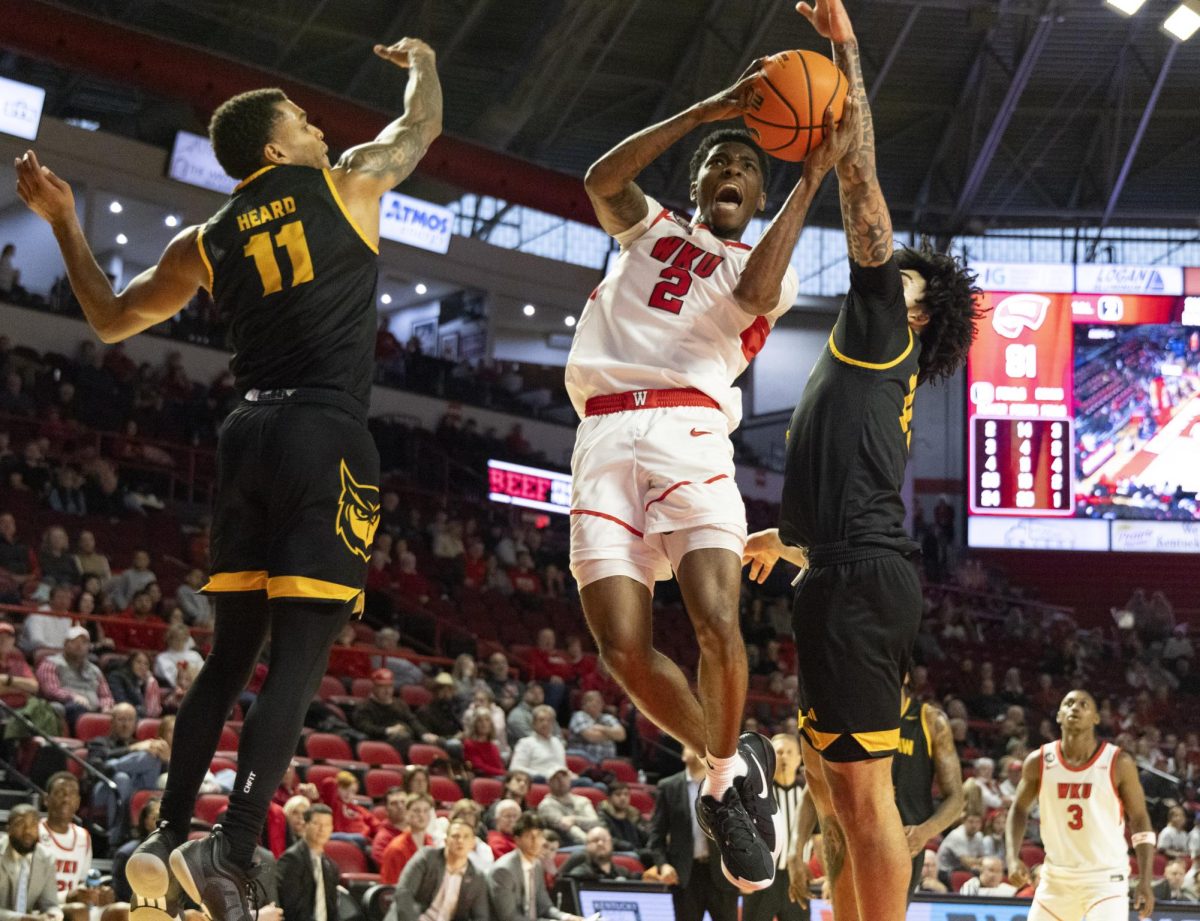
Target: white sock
721	772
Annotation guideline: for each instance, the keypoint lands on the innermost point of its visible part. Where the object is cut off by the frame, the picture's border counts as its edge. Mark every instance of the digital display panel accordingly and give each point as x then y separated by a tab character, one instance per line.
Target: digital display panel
530	487
20	108
1085	407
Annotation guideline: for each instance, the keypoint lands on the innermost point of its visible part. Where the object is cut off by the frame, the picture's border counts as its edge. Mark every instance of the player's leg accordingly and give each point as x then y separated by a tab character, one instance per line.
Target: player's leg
834	856
619	614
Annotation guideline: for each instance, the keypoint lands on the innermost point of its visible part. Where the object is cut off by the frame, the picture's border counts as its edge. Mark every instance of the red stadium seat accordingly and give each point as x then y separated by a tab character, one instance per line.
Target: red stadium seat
420	753
486	790
229	739
415	695
958	878
147	729
579	764
348	857
331	686
138	800
444	790
325	746
92	726
594	794
641	801
210	806
222	764
632	864
318	773
380	780
1160	865
537	793
621	768
378	754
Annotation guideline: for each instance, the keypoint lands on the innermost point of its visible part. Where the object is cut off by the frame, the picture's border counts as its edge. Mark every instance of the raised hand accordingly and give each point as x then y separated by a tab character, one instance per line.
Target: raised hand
404	52
47	196
840	138
829	18
734	100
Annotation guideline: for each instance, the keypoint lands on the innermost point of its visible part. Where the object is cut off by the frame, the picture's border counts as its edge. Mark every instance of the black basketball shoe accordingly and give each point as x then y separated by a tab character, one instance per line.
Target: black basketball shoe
207	875
745	860
755	789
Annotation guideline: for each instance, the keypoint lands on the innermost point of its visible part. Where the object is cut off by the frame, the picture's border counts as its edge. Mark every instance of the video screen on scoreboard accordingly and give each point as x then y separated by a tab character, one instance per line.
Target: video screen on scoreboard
1083	412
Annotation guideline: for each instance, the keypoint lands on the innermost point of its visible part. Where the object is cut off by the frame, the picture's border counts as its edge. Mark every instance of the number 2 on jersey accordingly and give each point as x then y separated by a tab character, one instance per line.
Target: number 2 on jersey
669	293
1076	813
291	238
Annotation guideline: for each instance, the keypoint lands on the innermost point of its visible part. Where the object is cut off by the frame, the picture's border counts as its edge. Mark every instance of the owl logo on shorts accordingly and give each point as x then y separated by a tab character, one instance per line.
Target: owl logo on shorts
358	514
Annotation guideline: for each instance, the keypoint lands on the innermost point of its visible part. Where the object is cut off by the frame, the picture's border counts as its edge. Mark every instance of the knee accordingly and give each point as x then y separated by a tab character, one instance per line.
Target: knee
718	632
859	799
624	657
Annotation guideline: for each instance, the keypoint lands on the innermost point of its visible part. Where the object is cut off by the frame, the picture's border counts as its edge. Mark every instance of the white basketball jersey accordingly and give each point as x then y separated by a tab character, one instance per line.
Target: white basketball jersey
666	317
1083	821
72	852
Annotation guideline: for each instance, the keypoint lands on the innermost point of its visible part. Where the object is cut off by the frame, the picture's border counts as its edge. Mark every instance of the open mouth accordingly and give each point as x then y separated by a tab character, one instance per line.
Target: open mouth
728	198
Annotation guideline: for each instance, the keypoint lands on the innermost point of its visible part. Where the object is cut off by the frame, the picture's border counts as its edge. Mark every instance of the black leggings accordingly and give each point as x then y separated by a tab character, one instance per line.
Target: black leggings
301	635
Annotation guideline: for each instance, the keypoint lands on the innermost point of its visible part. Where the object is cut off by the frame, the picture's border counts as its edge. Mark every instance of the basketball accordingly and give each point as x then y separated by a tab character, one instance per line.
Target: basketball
788	111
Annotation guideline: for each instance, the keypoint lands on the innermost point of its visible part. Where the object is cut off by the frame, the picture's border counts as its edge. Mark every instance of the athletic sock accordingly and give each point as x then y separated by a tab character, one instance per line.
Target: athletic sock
721	772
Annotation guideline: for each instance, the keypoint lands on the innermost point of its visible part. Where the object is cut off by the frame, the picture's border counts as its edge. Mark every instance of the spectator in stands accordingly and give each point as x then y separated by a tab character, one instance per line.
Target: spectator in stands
989	882
13	400
469	811
10	275
479	747
595	861
404	671
416	778
91	561
28	889
594	734
527	584
55	560
129	763
516	884
483	702
505	688
548	664
409	583
540	753
993	832
132	580
146	632
496	578
1171	888
929	875
172	700
177	656
475	566
351	821
393	824
1047	697
516	788
147	821
405	845
501	838
308	878
962	848
17	564
66	494
463	673
293	813
48	628
624	822
983	775
443	883
71	680
519	719
16	677
197	607
440	715
1173	839
570	814
987	704
387	718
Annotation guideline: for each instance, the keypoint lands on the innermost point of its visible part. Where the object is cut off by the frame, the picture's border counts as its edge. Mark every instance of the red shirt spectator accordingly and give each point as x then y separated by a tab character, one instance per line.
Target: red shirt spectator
547	662
475	566
391	827
402	848
346	658
142	630
348	816
501	843
501	839
409	582
479	746
16	677
524	578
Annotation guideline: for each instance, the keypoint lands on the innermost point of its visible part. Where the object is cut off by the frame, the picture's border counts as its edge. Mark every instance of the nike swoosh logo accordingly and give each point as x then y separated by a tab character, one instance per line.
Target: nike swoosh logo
696	433
766	790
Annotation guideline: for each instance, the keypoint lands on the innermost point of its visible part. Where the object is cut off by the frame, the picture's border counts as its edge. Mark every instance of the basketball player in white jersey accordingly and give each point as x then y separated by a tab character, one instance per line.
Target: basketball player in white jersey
1085	790
651	372
70	844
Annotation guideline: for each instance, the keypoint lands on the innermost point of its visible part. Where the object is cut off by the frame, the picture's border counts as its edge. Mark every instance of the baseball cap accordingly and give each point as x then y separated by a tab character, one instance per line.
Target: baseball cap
383	676
560	770
443	678
76	632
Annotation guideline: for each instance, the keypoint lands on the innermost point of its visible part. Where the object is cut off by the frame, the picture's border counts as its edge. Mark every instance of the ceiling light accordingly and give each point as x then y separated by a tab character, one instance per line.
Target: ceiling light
1128	7
420	288
529	310
171	220
1184	22
115	207
122	239
385	298
570	321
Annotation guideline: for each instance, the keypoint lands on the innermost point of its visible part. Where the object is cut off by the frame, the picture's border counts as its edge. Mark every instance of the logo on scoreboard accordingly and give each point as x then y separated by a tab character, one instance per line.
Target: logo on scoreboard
1019	312
1110	308
1128	279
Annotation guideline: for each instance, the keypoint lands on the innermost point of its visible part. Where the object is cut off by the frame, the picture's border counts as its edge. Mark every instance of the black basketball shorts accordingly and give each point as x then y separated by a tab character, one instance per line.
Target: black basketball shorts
855	624
297	500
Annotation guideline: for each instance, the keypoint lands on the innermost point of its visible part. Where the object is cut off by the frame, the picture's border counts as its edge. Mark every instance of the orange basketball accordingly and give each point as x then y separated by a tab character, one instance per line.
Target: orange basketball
788	112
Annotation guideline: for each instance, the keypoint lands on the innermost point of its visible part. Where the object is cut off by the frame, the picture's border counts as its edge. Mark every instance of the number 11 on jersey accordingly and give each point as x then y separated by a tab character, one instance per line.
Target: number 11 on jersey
290	238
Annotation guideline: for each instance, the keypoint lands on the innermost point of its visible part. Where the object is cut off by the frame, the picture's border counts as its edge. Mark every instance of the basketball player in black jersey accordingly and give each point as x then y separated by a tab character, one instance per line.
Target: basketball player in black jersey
290	261
908	318
926	753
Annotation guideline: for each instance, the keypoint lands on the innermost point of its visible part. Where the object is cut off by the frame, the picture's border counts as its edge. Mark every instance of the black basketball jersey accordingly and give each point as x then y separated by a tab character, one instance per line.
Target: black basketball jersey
912	766
849	437
295	277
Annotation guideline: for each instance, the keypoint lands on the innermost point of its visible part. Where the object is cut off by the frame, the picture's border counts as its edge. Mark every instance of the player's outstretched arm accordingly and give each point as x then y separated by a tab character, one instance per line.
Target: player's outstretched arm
1018	816
155	295
948	771
1133	801
609	182
365	172
764	549
865	215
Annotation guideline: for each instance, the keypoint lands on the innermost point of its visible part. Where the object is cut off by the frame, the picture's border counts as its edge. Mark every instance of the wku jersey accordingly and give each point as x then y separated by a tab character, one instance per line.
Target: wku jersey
72	852
666	317
1083	820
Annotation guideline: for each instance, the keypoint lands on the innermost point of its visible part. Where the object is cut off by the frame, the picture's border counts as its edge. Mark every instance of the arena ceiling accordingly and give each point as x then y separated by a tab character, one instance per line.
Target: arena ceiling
988	114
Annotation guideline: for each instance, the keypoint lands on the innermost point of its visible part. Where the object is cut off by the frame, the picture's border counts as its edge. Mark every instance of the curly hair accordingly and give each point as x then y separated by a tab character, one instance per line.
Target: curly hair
951	302
728	136
241	128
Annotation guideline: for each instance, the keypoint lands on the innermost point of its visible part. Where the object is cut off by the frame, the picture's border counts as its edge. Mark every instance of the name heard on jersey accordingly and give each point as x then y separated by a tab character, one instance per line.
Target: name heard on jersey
272	211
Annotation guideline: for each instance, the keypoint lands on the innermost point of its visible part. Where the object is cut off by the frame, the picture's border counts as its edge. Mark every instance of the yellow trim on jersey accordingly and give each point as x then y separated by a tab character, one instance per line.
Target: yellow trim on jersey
925	729
346	213
880	740
871	366
204	255
820	740
249	179
250	581
304	587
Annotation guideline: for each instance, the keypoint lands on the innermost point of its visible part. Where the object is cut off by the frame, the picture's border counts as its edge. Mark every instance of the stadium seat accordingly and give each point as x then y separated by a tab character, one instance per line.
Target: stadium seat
958	878
632	864
486	790
348	857
210	806
318	773
378	754
420	753
595	794
325	746
415	695
641	801
222	764
380	780
331	686
537	793
444	790
376	901
579	764
92	726
137	801
621	768
229	740
147	728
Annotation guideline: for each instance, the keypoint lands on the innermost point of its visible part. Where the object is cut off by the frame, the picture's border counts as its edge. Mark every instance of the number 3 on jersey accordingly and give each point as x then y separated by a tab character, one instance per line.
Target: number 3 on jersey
1076	813
290	238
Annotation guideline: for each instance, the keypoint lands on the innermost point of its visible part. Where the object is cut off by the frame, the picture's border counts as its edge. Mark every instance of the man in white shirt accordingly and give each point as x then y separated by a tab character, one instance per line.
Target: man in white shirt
516	882
962	849
570	814
48	628
442	884
308	879
990	881
27	884
541	752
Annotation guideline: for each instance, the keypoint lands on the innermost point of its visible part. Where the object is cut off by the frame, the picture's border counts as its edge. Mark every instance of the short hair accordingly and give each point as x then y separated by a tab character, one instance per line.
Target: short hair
617	786
551	836
729	136
317	809
514	773
241	127
392	791
21	809
296	803
60	777
543	710
528	821
951	302
346	779
419	798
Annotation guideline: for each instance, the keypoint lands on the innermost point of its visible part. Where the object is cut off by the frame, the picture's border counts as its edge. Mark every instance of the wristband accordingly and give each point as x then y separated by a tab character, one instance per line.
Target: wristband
1144	837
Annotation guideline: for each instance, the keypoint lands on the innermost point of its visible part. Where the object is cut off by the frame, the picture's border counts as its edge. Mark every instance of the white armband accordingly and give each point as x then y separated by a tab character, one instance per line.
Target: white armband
1144	837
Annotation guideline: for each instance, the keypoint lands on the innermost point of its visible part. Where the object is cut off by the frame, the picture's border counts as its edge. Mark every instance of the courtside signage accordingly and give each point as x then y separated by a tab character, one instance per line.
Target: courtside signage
530	487
1053	278
1129	279
192	161
20	108
415	222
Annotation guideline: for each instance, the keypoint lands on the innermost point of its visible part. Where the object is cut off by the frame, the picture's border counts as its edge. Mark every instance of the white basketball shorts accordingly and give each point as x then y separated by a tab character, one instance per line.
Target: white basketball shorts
1076	897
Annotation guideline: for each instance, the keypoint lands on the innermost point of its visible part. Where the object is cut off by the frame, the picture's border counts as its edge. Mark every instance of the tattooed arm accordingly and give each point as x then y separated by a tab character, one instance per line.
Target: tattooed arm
609	182
865	214
364	173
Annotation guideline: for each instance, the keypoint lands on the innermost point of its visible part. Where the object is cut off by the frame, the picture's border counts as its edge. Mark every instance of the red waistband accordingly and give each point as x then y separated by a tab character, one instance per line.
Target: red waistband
647	399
